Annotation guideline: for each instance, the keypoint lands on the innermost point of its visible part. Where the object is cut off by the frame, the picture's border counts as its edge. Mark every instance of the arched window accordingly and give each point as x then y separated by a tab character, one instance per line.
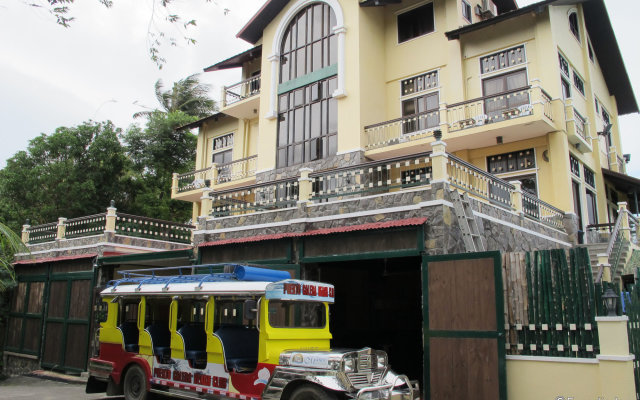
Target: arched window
573	24
307	112
309	43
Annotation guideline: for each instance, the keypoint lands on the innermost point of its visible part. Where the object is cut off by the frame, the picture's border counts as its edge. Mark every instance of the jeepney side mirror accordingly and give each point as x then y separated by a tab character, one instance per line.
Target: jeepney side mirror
250	310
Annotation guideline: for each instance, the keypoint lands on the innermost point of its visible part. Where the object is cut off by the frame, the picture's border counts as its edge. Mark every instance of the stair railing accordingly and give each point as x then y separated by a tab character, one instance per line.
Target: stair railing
634	225
614	248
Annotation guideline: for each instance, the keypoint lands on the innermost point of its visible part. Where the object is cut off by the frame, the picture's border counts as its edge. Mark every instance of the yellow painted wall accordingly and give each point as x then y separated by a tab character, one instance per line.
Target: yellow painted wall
376	64
536	380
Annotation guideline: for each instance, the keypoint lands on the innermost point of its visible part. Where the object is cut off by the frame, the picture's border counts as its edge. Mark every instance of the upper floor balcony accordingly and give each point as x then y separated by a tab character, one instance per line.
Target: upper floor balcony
241	100
189	186
510	116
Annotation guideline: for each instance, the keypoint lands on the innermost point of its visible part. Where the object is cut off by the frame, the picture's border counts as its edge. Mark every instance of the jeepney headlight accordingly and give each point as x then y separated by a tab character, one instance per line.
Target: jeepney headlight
349	364
382	361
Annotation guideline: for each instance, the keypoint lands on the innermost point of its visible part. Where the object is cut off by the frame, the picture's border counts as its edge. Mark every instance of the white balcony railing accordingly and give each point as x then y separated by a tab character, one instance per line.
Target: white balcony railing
459	116
240	91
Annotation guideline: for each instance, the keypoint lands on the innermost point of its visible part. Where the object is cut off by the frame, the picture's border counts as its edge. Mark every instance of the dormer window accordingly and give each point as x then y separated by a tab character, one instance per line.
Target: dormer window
573	24
416	22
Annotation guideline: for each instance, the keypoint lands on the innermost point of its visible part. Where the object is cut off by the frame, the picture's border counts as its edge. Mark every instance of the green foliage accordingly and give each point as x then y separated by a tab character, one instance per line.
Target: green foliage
156	152
187	95
72	172
10	244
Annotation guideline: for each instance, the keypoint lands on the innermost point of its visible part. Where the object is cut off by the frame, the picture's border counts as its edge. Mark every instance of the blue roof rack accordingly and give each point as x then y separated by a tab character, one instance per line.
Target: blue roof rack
241	272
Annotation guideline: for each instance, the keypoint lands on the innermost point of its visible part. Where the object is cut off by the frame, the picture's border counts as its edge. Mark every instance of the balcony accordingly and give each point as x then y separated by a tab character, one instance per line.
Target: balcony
402	176
577	129
241	100
515	115
108	227
189	186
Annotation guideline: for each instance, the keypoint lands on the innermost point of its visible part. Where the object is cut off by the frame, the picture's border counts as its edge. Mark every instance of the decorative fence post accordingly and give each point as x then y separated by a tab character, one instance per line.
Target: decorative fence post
62	228
206	202
624	226
439	159
214	175
305	186
516	196
174	184
613	159
603	264
444	125
616	363
110	226
25	231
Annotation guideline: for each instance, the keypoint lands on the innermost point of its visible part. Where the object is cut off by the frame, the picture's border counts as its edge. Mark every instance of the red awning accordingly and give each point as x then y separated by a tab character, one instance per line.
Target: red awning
324	231
55	259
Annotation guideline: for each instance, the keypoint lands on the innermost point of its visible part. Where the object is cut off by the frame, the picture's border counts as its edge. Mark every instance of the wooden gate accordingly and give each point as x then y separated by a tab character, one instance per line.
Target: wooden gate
464	349
67	323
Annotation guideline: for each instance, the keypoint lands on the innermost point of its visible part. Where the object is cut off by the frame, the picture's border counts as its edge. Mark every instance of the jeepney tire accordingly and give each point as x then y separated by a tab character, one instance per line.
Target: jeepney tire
135	384
311	392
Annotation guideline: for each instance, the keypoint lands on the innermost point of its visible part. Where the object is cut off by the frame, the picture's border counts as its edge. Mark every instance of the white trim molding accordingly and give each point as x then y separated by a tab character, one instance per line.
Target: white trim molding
340	31
604	357
553	359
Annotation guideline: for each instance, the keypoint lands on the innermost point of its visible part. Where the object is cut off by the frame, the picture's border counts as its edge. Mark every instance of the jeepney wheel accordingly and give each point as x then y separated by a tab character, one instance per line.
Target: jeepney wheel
311	392
135	384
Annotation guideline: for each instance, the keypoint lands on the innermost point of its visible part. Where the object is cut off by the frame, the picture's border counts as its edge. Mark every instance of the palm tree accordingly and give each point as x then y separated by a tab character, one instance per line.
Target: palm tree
187	95
10	243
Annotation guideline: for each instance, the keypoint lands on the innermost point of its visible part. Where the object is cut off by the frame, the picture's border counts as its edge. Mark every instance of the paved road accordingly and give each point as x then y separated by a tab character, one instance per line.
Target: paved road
28	388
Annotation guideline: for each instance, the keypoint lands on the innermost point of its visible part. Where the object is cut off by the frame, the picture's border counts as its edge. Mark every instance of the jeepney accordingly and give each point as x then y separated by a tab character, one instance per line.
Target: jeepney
249	333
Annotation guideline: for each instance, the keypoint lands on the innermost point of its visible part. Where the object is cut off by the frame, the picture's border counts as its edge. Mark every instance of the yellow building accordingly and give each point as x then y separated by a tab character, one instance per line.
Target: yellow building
525	94
366	137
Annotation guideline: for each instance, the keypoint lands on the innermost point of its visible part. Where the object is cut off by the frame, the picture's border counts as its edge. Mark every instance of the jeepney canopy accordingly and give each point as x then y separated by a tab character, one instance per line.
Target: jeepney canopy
243	281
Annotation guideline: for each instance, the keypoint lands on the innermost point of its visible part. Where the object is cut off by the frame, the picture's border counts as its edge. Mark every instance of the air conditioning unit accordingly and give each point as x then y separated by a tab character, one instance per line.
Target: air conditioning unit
487	10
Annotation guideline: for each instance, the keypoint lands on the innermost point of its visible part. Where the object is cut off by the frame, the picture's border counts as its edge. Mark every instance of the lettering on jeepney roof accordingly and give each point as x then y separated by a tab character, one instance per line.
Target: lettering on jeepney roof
293	289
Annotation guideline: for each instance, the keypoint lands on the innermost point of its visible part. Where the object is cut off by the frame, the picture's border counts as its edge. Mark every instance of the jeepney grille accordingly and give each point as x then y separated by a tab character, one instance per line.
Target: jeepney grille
361	380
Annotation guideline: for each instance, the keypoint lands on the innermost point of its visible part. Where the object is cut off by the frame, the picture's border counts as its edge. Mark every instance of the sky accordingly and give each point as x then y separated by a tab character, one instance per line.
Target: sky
99	68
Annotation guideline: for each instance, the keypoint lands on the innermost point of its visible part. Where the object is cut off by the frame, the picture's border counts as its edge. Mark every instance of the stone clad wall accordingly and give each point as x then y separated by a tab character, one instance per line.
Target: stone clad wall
442	232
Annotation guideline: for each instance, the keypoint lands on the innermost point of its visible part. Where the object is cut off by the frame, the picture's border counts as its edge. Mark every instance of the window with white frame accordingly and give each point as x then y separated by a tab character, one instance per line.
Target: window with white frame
503	59
309	43
415	22
564	65
578	82
573	24
421	112
466	10
504	92
223	149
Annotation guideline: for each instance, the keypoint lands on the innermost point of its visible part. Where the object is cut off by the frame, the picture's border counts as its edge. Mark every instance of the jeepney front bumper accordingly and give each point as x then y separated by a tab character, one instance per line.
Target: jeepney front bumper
389	391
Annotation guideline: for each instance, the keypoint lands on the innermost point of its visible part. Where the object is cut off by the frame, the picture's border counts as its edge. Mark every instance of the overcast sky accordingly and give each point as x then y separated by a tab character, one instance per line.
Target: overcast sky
99	68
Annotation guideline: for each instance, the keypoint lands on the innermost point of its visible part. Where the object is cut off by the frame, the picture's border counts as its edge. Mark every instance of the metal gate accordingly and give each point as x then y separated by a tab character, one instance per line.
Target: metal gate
632	308
464	345
67	321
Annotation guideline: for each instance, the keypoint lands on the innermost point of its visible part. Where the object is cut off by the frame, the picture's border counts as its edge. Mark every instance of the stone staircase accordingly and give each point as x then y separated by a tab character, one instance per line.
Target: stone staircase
598	248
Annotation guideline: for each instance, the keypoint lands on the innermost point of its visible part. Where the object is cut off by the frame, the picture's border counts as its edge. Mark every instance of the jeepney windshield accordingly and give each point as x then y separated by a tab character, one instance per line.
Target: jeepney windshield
297	314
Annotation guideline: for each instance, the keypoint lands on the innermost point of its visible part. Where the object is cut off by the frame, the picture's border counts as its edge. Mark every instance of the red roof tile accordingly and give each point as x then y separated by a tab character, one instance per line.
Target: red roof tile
54	259
324	231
